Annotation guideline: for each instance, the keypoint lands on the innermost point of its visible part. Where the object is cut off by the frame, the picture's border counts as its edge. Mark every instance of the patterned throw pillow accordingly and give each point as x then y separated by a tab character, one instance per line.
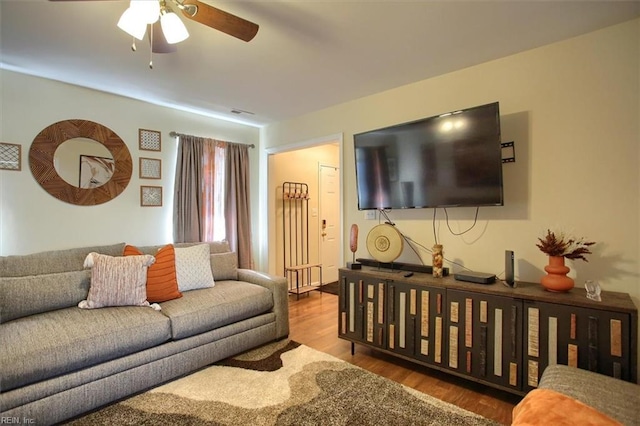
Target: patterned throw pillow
193	267
162	282
117	281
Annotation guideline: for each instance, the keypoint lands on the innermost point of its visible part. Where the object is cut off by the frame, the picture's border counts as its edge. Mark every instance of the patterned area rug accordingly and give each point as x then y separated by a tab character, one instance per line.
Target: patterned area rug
283	383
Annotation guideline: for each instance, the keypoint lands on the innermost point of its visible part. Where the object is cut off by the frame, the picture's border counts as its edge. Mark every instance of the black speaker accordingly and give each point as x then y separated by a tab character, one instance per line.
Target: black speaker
475	277
508	268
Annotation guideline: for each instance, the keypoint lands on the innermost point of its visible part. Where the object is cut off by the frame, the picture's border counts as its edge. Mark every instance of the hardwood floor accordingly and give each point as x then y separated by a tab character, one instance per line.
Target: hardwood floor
314	322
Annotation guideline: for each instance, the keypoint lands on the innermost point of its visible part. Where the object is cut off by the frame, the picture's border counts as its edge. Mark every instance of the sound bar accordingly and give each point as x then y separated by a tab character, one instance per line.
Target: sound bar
475	277
426	269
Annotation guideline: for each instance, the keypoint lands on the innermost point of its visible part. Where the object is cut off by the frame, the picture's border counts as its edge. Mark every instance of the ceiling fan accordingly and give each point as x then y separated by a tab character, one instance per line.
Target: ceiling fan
166	28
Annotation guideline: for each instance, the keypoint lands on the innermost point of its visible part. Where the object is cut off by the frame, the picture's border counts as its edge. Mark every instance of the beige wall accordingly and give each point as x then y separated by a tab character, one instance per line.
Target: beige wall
32	220
572	109
297	166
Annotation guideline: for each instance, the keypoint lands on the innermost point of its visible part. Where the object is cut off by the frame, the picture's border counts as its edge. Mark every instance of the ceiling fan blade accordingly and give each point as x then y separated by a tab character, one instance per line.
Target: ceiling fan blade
221	20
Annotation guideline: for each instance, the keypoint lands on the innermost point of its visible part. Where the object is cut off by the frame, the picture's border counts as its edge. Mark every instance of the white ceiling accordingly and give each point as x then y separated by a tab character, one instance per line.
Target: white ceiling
307	55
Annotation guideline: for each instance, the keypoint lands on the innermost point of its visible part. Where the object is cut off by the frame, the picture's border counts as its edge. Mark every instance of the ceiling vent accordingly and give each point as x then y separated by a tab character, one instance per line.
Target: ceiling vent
241	111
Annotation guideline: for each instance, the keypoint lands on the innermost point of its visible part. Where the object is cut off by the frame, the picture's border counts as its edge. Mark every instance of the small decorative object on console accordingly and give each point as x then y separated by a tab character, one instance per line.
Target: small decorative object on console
556	279
593	290
438	258
558	246
353	246
384	243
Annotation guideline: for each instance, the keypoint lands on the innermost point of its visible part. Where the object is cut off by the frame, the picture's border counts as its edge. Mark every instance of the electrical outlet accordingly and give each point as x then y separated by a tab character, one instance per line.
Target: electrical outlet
370	214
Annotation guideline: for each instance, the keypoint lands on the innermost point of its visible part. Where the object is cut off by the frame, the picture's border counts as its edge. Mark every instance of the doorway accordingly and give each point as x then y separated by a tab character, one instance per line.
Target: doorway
330	222
316	164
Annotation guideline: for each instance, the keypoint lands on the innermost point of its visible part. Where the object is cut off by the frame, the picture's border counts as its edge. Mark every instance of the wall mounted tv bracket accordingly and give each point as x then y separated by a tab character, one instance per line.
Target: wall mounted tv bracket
508	152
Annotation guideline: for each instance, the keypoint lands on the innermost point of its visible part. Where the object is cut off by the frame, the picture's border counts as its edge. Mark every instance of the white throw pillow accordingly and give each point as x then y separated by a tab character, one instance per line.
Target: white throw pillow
193	267
117	281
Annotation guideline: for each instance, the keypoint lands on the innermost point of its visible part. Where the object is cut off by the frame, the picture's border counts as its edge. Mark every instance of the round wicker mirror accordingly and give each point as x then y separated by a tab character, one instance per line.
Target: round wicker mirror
41	162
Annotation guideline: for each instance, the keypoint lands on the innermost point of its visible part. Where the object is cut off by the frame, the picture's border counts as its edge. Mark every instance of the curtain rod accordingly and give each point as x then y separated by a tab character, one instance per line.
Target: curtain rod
176	134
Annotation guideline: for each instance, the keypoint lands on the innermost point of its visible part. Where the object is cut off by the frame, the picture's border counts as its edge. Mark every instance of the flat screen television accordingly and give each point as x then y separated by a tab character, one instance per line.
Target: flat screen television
448	160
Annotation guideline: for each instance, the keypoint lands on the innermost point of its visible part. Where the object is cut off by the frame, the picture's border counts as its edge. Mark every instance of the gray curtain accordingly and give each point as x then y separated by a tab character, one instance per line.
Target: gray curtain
187	222
237	206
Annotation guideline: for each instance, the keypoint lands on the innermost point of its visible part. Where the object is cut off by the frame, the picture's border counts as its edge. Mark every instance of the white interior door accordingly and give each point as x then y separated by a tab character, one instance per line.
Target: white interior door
329	222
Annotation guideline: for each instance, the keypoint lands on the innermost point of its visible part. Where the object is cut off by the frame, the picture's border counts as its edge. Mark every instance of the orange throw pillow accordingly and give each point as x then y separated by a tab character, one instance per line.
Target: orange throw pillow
162	283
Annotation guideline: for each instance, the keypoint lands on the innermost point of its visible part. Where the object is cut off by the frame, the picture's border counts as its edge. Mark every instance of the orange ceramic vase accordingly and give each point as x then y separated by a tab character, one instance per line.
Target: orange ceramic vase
556	278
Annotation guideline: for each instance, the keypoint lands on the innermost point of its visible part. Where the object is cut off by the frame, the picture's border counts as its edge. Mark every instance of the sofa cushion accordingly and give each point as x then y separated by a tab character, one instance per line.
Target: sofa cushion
47	345
224	266
51	262
224	262
162	284
206	309
214	247
23	296
193	267
117	281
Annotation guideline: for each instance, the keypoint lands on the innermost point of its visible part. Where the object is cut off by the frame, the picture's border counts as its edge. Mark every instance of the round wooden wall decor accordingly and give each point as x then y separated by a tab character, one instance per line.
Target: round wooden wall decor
41	162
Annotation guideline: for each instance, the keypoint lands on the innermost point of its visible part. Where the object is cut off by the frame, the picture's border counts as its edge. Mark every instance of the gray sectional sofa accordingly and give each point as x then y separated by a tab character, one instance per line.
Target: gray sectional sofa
618	399
569	395
58	361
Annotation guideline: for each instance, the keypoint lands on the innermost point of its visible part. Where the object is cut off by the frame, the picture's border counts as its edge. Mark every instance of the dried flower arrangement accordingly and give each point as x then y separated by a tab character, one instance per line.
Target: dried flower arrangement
560	244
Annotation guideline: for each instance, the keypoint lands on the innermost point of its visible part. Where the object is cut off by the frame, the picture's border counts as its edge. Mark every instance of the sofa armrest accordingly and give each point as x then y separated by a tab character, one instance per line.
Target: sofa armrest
280	290
616	398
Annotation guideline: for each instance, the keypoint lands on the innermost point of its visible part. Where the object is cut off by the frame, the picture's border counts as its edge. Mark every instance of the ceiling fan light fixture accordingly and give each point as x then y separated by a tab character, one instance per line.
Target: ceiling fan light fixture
189	9
131	24
146	10
173	28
